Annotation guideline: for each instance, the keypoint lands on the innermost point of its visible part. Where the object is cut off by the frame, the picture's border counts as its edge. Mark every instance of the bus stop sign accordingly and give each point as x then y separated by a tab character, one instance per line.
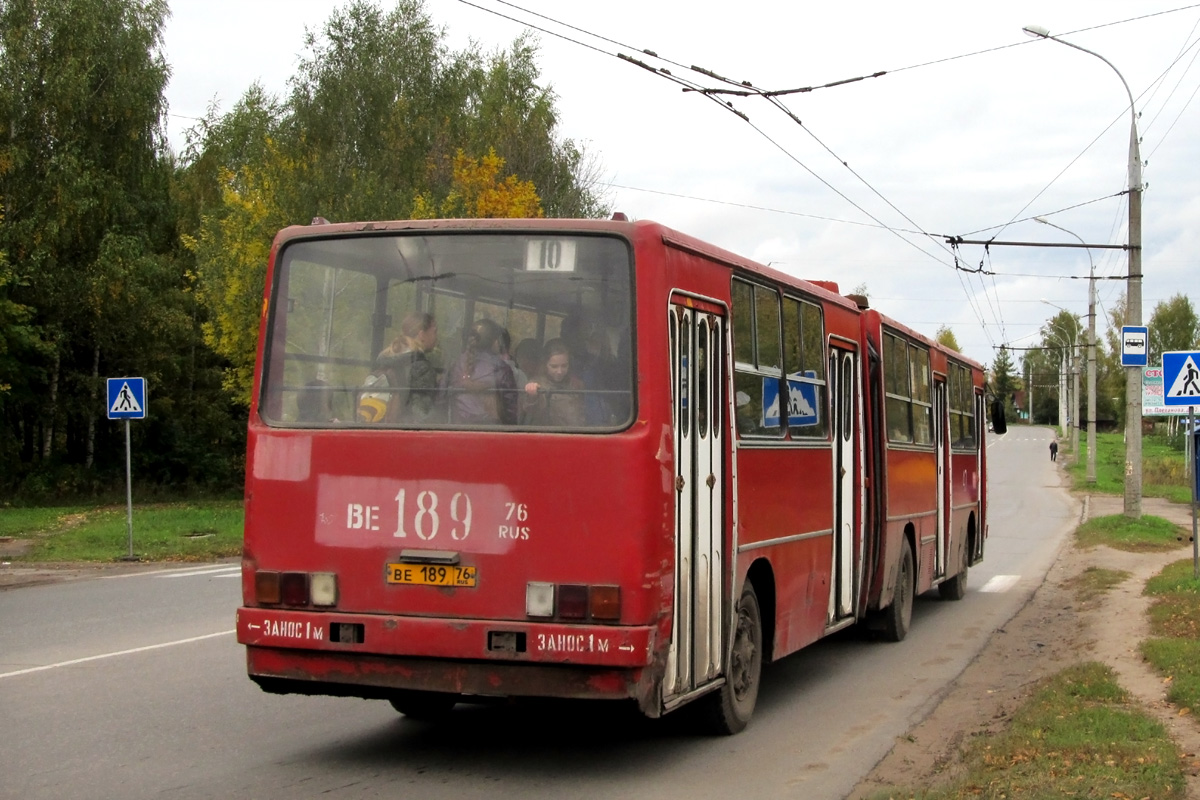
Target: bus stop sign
1133	345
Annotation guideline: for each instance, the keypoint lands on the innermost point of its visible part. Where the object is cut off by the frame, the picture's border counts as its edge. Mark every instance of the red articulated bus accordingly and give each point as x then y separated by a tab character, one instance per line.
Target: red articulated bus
585	459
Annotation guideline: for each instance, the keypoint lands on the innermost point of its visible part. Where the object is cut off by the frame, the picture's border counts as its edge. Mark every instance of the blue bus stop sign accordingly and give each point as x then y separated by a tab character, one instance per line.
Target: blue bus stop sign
126	398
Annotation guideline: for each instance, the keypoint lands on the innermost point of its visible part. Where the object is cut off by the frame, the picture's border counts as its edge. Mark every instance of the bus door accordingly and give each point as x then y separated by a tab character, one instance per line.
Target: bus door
845	408
942	446
698	380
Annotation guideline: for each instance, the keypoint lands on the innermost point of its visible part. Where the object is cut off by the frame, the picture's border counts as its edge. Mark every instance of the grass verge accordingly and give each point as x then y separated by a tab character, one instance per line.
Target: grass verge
1093	582
1174	646
1078	735
188	531
1164	468
1149	534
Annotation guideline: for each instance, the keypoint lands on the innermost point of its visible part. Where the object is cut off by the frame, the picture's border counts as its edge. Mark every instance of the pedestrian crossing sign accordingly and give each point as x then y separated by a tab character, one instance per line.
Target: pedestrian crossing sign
1181	378
126	398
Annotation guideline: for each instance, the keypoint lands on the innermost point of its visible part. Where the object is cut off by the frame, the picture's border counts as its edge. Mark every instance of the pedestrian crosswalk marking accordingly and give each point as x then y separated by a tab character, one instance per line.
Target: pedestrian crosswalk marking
1000	583
216	572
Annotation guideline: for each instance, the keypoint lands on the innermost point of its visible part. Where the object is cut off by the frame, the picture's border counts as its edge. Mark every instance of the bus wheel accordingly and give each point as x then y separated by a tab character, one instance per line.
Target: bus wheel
424	706
730	707
956	588
898	616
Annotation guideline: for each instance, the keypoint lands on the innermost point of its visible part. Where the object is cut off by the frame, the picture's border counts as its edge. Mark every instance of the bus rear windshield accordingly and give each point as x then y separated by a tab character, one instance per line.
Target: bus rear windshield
451	330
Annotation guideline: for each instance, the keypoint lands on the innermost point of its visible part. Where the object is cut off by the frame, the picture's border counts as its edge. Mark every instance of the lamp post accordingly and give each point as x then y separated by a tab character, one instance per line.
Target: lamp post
1091	357
1133	294
1073	369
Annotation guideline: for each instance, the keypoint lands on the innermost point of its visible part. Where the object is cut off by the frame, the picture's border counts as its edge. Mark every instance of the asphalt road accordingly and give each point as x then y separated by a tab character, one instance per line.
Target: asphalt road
133	686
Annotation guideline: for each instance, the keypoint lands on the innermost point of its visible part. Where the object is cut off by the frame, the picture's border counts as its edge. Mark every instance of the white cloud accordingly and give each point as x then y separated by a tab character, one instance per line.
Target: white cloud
957	146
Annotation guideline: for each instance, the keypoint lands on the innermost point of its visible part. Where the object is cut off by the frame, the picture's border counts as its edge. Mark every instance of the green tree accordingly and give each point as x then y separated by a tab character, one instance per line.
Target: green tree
382	121
1004	381
515	116
1173	326
81	180
1110	375
1062	350
945	337
94	284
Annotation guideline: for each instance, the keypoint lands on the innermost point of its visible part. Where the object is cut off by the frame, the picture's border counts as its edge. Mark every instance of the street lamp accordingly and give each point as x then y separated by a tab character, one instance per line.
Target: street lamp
1091	358
1133	295
1073	369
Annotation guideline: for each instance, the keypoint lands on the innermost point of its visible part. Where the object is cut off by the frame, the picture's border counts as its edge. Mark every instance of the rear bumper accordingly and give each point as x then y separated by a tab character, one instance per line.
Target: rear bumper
292	652
466	639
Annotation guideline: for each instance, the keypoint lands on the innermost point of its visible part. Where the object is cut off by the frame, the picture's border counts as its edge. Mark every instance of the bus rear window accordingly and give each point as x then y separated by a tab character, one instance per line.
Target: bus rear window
451	330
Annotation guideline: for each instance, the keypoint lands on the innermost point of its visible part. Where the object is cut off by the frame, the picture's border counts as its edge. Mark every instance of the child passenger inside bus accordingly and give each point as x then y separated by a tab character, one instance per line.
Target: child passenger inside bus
555	395
480	386
404	383
592	363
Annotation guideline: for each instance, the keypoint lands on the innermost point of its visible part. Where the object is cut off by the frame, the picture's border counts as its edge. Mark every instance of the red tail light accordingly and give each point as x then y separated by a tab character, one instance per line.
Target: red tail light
293	588
572	601
604	602
266	587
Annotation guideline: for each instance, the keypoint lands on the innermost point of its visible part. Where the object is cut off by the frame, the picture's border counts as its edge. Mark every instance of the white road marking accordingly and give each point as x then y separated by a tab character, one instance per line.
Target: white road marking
114	655
1000	583
179	570
221	572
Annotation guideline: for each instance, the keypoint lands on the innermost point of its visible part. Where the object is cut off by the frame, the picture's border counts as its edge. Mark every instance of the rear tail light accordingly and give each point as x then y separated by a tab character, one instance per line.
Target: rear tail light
272	588
293	588
604	602
266	587
573	601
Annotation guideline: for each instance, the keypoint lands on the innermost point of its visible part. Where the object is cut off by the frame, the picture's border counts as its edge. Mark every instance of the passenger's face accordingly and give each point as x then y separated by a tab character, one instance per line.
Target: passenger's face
427	338
557	366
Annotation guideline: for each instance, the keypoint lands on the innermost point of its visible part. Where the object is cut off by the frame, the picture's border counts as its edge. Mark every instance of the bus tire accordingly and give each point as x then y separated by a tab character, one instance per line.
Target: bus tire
729	709
897	618
423	706
956	588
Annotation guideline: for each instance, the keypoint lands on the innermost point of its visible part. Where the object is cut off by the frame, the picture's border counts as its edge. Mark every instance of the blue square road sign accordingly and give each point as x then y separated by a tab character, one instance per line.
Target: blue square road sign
1134	345
1181	378
126	398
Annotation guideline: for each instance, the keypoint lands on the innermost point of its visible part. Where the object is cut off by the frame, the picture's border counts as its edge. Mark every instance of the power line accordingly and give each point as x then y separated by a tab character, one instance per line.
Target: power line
747	89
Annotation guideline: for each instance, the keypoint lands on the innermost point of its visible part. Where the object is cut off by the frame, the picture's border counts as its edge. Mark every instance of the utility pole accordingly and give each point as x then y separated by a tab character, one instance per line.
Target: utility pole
1133	296
1091	387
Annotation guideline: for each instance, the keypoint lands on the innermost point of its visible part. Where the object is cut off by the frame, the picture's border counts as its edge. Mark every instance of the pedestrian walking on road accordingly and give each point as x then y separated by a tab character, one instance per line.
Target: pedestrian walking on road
1054	451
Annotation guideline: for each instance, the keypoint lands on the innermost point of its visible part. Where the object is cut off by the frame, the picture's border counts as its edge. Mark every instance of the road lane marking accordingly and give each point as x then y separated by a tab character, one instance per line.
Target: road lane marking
175	570
999	583
114	655
218	571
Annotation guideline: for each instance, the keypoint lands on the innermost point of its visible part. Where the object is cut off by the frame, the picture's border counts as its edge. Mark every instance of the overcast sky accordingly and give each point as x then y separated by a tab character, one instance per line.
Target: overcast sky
975	129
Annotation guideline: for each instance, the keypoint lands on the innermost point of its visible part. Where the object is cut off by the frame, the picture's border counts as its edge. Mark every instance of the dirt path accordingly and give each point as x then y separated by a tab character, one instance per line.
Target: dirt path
1053	631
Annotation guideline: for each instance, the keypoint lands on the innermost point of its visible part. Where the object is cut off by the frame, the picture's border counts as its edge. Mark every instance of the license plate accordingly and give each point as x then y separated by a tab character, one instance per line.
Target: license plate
431	575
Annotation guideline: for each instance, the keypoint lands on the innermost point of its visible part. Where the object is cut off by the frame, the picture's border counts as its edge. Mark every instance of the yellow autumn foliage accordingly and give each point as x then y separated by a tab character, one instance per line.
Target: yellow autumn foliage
232	250
478	192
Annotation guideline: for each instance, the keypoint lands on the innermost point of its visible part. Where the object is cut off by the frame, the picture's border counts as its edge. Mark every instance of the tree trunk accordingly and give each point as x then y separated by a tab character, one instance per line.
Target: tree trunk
48	436
91	417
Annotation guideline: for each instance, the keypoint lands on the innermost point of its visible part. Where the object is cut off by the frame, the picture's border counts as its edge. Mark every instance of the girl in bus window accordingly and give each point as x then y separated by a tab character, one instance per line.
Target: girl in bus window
556	396
405	380
480	386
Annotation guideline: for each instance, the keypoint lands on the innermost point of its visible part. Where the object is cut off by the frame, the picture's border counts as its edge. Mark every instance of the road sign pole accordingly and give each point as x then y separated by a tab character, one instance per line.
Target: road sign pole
1195	480
126	401
128	495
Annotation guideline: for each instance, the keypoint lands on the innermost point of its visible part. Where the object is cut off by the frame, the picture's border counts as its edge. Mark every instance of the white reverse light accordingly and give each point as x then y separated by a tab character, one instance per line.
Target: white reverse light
539	599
